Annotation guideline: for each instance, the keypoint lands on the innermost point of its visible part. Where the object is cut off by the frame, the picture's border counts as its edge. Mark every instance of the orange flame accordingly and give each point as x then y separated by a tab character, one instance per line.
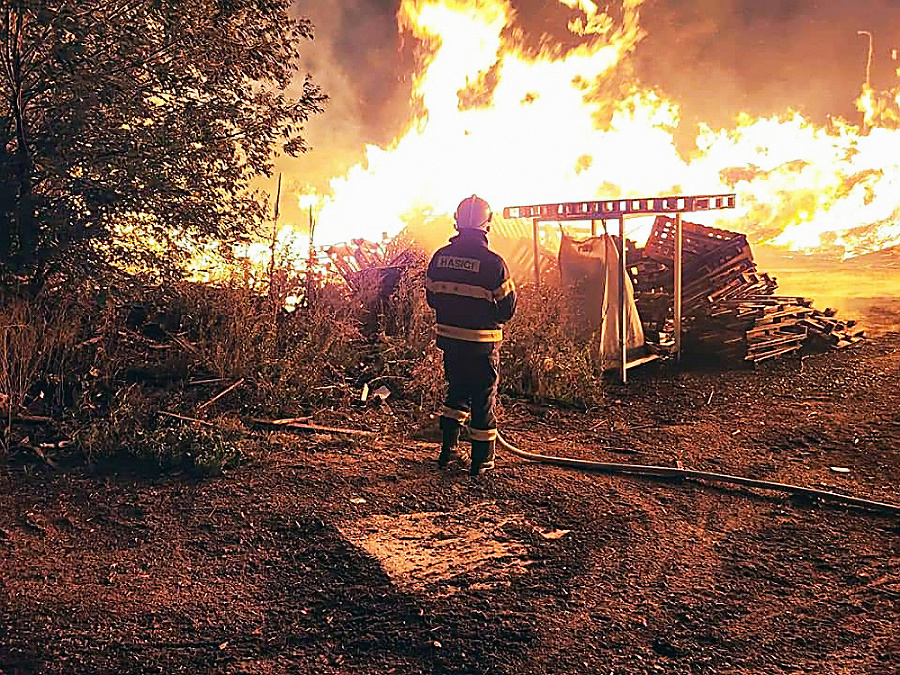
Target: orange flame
492	118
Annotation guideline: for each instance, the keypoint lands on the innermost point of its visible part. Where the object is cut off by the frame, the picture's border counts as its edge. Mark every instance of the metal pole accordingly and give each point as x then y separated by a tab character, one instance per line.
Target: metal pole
865	125
678	284
623	270
868	34
537	258
593	228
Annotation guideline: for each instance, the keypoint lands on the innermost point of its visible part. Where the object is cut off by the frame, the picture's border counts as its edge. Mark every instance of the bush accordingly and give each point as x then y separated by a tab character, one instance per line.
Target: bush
542	357
122	355
317	349
134	435
234	330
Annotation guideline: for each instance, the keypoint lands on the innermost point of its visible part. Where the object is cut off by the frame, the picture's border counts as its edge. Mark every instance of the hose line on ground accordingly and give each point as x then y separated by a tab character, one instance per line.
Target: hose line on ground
673	472
627	469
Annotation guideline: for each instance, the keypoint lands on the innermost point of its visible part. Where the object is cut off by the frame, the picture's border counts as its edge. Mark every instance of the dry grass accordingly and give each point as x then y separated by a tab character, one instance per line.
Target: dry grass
37	340
117	361
543	357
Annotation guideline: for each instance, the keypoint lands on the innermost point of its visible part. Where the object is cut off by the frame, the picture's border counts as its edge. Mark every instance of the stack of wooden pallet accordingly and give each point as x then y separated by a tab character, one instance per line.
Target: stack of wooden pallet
824	328
752	328
729	307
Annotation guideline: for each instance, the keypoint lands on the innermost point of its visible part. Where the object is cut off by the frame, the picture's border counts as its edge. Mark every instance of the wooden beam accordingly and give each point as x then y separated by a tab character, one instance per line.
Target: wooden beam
312	428
218	396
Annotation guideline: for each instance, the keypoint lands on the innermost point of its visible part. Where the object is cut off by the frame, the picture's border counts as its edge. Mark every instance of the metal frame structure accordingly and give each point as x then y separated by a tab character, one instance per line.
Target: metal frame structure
618	209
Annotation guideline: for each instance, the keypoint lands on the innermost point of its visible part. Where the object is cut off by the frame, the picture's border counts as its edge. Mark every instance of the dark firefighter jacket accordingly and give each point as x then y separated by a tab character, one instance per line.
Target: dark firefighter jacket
470	289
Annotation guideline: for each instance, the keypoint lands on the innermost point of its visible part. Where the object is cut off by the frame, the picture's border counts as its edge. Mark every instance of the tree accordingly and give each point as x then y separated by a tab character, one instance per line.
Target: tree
131	128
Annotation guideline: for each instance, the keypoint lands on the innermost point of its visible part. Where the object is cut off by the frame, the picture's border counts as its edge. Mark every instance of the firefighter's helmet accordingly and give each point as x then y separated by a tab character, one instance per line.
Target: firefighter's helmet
473	212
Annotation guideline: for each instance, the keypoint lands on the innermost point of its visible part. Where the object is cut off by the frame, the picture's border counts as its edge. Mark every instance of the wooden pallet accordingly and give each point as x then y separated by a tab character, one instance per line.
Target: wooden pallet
729	307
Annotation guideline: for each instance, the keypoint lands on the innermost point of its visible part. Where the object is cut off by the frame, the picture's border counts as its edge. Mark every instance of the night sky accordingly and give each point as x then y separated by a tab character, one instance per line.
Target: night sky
714	57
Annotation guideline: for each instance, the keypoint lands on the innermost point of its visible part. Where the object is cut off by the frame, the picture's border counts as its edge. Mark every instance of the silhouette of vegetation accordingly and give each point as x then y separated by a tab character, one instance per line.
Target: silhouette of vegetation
131	130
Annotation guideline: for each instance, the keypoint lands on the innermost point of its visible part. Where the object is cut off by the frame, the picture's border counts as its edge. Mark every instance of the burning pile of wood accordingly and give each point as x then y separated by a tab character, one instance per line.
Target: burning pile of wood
729	307
359	259
361	262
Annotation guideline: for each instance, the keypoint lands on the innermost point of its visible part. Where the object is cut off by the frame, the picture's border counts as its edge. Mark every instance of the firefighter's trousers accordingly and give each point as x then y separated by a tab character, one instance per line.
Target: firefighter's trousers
472	376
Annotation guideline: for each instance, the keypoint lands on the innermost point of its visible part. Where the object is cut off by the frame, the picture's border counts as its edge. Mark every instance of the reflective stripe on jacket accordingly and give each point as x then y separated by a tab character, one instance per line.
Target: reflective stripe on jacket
470	289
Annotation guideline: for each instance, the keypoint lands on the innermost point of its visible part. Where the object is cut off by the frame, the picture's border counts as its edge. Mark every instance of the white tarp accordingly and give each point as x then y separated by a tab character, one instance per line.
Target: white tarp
590	268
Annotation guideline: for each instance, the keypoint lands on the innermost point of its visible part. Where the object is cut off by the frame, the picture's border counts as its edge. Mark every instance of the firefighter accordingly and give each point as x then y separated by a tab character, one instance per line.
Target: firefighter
469	287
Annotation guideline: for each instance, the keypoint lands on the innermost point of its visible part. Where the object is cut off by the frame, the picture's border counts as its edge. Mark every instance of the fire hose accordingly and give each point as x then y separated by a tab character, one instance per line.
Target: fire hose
674	472
629	469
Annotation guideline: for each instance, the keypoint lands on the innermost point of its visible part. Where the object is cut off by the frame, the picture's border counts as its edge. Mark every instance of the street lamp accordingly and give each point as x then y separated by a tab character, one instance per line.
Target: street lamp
868	87
869	58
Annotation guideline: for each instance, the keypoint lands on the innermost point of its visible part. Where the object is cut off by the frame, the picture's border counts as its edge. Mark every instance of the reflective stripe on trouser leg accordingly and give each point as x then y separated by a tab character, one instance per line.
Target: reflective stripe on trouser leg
482	434
461	416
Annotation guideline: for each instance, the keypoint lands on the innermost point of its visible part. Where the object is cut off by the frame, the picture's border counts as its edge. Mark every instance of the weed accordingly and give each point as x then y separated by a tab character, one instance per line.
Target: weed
134	435
543	357
36	340
126	353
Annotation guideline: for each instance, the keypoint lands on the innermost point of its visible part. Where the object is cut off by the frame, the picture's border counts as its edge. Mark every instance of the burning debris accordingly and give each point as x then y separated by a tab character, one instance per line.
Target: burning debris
361	261
730	308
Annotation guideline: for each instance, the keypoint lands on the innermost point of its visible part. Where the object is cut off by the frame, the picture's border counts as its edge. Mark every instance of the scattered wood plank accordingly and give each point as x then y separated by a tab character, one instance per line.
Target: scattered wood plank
184	418
184	344
32	419
218	396
289	420
39	453
756	358
312	428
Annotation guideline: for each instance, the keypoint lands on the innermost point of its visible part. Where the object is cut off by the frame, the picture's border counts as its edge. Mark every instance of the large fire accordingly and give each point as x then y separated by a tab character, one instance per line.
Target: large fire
518	126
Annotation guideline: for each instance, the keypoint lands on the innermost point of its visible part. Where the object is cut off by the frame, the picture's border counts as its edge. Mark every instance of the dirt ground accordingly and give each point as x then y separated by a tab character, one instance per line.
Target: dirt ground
357	555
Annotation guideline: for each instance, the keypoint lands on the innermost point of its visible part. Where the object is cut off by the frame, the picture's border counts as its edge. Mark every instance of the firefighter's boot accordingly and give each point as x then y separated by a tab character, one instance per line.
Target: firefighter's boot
482	457
450	451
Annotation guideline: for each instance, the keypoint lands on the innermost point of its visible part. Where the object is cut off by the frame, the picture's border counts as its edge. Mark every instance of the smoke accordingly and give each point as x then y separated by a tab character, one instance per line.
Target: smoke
360	59
719	57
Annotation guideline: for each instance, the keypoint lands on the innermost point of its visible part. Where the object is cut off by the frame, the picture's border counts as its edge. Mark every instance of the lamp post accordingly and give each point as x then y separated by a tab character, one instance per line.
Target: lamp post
869	57
868	85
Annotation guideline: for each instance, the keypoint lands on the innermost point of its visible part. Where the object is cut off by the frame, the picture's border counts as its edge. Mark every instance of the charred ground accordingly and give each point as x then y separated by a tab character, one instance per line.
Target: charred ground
334	555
